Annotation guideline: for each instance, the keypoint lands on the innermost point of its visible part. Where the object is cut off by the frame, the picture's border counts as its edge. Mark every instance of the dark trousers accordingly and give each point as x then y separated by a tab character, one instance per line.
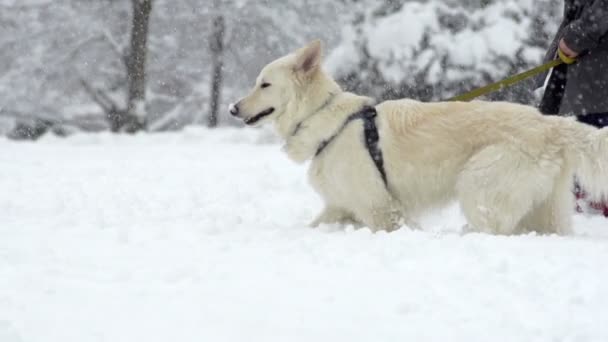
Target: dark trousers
555	90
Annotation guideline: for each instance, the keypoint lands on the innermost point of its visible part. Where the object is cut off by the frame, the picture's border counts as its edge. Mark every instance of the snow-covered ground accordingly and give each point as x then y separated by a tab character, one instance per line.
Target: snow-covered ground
201	236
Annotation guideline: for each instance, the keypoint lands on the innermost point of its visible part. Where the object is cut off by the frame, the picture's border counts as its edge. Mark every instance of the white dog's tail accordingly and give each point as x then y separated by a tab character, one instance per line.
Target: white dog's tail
589	154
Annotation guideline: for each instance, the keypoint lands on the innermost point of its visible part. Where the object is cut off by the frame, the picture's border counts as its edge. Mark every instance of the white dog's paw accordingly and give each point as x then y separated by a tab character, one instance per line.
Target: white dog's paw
466	229
322	218
332	216
410	223
470	229
315	223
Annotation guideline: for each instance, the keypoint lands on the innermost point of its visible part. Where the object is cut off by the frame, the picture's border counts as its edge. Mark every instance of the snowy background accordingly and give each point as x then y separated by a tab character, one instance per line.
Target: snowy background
49	51
201	234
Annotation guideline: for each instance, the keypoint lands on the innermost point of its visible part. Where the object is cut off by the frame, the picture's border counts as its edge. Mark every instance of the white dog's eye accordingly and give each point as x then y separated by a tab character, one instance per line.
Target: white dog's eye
265	85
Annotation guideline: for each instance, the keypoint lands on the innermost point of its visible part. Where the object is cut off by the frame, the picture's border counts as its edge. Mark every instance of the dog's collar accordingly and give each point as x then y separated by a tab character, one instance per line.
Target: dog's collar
325	104
371	136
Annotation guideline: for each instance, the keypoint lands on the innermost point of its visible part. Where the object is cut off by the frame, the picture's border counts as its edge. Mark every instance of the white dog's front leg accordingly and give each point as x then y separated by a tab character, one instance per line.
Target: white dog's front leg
382	219
331	215
299	150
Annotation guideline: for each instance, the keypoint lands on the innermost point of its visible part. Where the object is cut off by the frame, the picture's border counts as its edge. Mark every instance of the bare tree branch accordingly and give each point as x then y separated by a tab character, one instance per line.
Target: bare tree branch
26	5
118	48
77	48
103	100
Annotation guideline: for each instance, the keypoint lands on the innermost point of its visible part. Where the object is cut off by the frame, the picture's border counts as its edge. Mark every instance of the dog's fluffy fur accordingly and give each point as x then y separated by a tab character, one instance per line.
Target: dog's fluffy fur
510	168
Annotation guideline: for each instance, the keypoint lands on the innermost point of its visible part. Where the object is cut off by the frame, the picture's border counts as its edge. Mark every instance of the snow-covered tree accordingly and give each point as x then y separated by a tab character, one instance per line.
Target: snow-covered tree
432	50
60	59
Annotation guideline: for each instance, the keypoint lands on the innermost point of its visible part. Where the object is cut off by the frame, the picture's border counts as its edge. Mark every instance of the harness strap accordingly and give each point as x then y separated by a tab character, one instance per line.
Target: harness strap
371	137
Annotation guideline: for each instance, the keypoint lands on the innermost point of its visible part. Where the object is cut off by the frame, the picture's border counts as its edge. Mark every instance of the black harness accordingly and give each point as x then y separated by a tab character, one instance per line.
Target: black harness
370	133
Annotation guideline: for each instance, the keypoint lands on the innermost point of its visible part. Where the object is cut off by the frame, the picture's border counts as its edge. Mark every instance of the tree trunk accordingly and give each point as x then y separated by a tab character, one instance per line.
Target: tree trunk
136	67
216	45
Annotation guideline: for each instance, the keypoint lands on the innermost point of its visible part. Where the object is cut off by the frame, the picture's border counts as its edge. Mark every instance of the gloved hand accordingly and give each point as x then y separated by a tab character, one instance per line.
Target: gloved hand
565	53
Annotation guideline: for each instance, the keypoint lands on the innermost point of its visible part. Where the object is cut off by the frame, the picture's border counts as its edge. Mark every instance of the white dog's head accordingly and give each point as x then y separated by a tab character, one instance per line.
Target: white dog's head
279	85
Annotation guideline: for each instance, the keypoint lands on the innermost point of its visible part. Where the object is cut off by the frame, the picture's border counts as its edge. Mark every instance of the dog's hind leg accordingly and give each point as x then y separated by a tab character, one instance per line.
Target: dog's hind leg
554	216
500	185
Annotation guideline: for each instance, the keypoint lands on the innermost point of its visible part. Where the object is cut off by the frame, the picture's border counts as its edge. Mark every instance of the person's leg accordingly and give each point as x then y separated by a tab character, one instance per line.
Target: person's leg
554	91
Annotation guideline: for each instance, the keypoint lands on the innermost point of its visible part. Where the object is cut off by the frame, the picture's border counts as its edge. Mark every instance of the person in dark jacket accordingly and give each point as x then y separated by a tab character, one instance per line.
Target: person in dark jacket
581	88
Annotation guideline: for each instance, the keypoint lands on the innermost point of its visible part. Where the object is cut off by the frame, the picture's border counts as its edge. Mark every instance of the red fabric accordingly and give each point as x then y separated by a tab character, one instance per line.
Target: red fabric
581	196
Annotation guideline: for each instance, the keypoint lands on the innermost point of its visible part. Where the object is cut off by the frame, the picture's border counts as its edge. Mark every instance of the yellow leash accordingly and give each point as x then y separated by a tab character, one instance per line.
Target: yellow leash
563	59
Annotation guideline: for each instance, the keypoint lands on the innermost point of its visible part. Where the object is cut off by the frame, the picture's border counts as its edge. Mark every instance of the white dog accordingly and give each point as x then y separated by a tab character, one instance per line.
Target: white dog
510	168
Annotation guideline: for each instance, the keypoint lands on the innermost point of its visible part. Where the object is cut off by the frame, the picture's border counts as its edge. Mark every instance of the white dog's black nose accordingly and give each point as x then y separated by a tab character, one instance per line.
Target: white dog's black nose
233	109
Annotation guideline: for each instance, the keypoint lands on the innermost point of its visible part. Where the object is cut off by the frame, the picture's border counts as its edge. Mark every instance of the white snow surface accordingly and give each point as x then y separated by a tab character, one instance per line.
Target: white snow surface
202	236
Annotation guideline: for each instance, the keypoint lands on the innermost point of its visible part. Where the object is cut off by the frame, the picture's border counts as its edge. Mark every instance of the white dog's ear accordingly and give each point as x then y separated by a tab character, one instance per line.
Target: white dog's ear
308	58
